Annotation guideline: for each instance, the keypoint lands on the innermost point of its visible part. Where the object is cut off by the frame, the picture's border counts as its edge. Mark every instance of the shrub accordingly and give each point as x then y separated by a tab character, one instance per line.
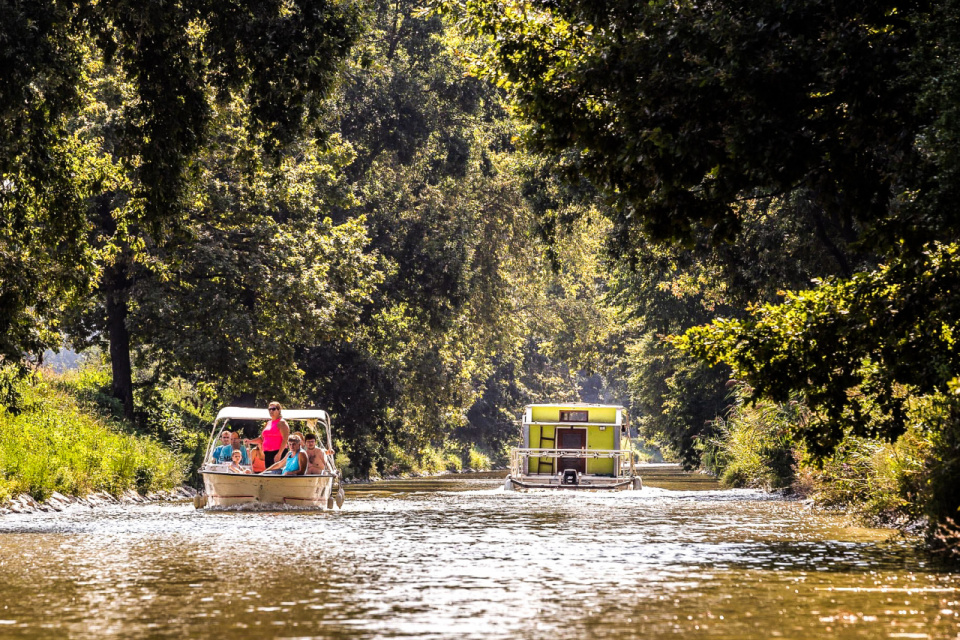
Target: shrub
753	446
342	460
397	461
453	462
880	481
478	460
431	460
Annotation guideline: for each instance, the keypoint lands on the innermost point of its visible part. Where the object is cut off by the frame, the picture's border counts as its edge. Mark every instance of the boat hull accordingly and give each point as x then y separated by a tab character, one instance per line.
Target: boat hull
585	483
224	489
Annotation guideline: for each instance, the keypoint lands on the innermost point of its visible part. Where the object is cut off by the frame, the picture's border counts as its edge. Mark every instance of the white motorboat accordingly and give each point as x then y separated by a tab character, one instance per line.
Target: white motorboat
225	488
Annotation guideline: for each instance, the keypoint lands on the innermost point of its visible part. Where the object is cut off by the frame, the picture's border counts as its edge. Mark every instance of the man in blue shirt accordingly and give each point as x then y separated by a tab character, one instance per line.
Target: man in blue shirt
236	444
224	451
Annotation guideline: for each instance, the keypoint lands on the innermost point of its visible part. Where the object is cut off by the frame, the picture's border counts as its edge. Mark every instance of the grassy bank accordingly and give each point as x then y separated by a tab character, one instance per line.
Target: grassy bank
431	460
912	482
51	441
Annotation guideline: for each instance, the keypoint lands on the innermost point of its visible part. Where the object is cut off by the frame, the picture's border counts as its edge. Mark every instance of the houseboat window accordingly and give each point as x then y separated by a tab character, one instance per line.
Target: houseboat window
573	416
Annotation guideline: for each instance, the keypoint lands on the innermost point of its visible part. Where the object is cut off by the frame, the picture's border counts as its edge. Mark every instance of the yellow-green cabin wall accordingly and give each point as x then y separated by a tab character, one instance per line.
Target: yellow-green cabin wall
552	413
537	436
597	439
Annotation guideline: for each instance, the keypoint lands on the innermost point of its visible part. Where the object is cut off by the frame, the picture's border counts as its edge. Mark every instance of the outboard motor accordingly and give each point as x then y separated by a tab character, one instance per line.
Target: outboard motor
570	476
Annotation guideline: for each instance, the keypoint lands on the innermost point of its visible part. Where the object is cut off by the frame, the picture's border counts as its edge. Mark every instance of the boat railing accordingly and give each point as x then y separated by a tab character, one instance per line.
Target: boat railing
623	459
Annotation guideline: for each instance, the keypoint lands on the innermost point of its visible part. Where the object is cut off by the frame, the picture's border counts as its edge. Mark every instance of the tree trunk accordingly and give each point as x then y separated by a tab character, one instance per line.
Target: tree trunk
115	286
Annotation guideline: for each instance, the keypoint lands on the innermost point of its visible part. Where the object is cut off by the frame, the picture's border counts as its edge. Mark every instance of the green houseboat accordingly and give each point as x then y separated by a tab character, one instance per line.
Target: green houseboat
573	446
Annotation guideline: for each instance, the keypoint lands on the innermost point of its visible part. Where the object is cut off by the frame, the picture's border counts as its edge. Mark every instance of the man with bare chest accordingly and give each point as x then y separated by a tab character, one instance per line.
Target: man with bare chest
315	462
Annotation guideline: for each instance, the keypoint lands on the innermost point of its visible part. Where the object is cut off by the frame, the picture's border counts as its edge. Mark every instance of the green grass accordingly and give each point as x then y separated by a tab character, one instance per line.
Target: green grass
57	442
882	482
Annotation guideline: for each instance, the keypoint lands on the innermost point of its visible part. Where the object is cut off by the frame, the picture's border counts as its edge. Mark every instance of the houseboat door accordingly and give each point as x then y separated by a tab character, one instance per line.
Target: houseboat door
572	439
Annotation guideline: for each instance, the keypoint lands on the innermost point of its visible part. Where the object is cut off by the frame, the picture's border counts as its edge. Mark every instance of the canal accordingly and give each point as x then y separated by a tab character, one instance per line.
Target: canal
459	558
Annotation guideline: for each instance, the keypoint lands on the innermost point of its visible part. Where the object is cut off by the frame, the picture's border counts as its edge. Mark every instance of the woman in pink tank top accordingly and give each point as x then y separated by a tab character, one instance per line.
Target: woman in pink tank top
274	435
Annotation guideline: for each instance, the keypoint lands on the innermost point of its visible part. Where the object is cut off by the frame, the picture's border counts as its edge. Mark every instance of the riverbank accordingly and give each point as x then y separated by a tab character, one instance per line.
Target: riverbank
413	475
52	442
24	503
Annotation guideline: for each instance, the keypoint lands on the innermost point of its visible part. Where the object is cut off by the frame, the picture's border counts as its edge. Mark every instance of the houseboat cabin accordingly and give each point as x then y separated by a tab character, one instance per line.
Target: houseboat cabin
573	446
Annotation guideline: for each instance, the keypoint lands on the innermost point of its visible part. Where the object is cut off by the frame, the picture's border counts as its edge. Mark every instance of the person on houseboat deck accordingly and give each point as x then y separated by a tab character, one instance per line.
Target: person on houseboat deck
274	434
294	463
315	463
235	463
223	453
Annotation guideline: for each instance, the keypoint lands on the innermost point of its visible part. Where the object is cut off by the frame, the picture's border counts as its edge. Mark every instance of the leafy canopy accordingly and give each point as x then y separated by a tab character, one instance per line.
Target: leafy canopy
678	110
857	348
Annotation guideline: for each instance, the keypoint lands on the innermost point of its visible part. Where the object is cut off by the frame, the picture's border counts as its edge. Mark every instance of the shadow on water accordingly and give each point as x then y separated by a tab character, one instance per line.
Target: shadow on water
457	557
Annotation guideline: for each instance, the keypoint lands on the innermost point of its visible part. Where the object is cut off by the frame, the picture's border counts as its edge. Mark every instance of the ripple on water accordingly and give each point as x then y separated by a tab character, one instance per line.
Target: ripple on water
454	558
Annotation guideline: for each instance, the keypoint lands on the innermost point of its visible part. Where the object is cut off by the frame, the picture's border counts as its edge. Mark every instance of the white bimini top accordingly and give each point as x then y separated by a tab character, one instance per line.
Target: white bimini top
247	413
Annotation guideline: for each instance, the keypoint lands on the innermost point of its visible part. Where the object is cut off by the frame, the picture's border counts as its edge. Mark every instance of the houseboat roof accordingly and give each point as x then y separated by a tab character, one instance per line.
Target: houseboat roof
247	413
577	405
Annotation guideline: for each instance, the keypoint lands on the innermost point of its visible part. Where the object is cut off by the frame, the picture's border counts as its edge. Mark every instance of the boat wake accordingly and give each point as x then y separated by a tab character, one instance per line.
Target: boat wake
259	507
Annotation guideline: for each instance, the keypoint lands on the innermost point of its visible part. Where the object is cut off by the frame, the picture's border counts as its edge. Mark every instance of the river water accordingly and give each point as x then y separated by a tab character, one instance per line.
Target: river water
459	558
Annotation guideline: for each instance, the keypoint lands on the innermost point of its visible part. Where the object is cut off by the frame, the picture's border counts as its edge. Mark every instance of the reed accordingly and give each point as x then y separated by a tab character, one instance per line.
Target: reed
752	446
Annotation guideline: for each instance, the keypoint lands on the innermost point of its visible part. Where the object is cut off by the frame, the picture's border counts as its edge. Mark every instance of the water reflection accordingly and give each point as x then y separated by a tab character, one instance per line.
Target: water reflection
454	558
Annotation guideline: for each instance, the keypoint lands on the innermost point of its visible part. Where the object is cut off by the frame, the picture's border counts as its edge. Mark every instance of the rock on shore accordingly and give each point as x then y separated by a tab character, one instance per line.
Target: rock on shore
23	503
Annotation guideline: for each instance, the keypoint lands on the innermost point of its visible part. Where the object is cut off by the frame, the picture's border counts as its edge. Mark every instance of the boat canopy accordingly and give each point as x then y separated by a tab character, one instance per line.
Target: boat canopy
247	413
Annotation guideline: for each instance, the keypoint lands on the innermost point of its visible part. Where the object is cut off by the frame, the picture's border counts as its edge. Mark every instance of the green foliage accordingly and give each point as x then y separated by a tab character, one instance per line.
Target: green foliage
467	324
55	444
44	257
677	397
679	109
753	445
398	462
176	413
343	463
453	462
110	107
478	460
431	460
90	385
941	491
881	481
698	120
10	396
895	329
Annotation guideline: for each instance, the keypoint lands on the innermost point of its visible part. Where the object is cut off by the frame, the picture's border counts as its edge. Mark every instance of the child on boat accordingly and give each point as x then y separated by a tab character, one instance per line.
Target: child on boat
235	464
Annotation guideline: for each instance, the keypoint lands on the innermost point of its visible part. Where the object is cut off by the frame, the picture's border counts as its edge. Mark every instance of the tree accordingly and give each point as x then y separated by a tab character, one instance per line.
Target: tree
845	344
680	110
845	113
177	60
861	352
44	258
